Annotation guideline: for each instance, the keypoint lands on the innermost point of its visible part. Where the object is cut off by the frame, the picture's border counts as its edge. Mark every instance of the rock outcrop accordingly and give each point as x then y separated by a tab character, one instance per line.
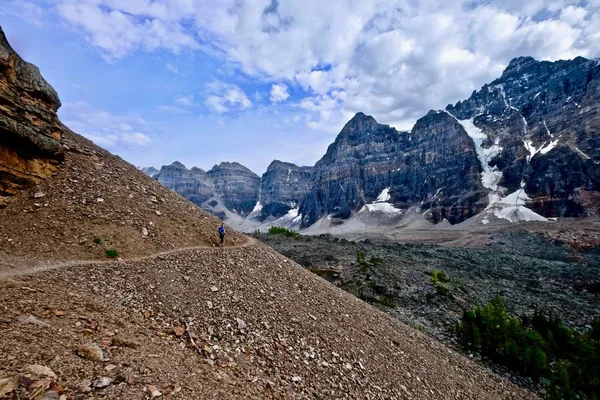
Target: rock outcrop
30	131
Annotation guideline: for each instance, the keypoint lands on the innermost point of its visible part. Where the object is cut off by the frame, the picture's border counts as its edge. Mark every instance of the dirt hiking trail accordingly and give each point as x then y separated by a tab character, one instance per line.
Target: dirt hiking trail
18	272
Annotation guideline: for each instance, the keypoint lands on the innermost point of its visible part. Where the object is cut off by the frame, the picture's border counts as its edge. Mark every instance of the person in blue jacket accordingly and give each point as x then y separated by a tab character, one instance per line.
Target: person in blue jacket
222	233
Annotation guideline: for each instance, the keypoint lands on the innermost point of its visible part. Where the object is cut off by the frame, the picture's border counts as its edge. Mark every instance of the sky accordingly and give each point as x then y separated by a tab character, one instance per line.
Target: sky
205	81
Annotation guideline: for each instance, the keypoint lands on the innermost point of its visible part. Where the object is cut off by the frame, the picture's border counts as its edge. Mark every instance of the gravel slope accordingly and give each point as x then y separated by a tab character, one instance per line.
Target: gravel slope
274	330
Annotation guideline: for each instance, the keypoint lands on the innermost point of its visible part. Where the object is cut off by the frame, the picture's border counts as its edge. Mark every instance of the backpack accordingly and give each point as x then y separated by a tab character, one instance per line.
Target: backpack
221	230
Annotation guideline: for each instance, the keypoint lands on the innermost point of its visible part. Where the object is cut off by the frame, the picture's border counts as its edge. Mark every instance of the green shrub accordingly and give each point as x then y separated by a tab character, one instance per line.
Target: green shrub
278	230
540	347
97	240
112	253
439	276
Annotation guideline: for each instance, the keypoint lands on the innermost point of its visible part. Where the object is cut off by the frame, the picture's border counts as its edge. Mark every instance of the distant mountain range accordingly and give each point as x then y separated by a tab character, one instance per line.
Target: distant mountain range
524	147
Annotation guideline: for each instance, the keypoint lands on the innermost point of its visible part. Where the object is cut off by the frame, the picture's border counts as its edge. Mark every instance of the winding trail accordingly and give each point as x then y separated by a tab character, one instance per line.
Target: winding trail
18	272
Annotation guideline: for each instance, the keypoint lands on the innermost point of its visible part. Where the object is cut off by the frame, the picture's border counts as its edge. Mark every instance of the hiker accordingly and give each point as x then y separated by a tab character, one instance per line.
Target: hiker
222	233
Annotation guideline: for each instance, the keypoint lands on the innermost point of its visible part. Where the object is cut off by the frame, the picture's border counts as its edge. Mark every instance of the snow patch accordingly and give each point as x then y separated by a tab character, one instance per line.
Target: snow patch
512	208
383	196
582	153
491	176
542	150
381	207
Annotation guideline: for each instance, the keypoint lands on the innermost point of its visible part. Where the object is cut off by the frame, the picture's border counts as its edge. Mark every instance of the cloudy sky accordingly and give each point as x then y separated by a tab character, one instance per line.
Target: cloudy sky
202	81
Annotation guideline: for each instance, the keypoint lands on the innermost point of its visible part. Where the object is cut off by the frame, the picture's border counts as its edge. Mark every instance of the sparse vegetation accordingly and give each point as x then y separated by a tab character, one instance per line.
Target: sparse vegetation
278	230
439	276
112	253
97	240
440	281
540	346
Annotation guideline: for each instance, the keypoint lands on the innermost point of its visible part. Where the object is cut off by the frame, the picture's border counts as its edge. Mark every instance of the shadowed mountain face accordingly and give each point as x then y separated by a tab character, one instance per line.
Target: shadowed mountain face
531	135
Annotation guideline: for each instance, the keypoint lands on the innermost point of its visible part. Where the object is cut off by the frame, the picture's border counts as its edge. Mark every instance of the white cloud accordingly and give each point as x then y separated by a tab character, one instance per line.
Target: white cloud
279	92
226	96
185	101
111	131
394	59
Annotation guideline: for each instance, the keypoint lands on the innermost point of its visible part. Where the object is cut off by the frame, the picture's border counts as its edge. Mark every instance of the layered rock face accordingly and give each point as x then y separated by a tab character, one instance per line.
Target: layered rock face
192	184
283	187
236	185
435	165
230	183
30	131
545	117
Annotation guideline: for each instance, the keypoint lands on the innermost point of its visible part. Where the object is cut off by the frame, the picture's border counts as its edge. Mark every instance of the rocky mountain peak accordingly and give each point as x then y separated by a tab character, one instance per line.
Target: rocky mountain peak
517	64
179	165
360	123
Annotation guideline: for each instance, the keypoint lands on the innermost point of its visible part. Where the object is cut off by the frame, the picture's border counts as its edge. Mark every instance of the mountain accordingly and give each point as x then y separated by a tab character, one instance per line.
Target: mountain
283	187
434	166
525	147
172	316
150	171
236	185
536	129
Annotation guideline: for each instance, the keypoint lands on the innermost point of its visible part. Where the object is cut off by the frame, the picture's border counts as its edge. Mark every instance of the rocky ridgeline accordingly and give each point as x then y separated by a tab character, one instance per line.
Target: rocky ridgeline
30	132
529	138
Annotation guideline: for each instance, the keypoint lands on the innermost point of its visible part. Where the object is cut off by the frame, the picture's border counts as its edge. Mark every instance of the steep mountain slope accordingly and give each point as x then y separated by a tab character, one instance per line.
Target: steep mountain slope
538	129
435	166
283	187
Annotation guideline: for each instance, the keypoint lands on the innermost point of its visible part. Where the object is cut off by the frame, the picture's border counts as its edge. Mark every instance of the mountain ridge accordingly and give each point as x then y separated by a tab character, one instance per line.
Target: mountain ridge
528	137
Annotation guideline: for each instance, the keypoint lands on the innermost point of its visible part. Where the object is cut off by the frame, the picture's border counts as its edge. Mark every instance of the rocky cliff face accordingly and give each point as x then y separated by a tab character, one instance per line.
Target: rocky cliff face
236	185
228	184
283	187
435	165
192	184
543	118
30	131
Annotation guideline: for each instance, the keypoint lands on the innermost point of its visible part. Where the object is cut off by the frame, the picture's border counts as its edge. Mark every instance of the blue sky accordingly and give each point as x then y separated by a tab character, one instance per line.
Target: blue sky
207	81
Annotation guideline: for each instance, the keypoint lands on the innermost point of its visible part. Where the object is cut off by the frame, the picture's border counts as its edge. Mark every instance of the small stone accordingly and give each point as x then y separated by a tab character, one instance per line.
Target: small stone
86	386
158	212
186	278
110	367
39	195
241	324
100	200
8	385
154	392
209	304
214	289
41	370
59	313
179	331
144	232
102	382
30	319
153	199
92	352
209	361
50	395
297	379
